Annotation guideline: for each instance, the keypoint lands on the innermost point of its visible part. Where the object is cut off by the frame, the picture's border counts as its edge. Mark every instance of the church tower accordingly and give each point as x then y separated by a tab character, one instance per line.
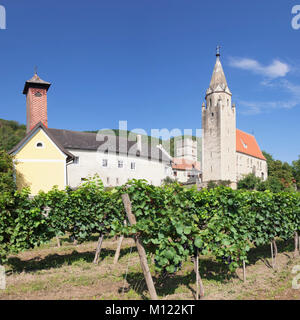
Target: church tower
35	90
218	130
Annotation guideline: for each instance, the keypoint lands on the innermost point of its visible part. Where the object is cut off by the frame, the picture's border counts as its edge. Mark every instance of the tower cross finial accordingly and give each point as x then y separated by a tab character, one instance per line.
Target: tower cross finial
35	69
218	51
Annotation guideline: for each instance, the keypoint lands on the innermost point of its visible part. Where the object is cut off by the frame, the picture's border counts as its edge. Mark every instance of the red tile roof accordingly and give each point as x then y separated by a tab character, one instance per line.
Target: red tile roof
246	143
183	164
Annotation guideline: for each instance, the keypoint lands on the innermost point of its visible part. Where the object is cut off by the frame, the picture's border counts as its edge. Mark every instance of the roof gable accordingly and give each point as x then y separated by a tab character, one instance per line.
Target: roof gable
246	143
30	135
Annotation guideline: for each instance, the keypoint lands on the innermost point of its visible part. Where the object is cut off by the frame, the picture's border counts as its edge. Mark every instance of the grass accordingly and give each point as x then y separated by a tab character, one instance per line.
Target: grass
67	272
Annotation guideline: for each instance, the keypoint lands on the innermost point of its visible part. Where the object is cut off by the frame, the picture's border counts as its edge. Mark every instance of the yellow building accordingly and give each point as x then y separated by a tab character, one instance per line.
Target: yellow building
40	160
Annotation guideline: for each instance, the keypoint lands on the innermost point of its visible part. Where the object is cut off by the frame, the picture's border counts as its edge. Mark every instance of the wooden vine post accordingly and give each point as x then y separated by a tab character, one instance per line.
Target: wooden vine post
272	255
58	241
98	250
199	284
140	248
275	251
296	238
244	270
197	275
117	254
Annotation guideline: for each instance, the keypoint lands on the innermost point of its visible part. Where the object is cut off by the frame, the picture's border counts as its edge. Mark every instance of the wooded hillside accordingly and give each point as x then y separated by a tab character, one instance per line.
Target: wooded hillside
11	133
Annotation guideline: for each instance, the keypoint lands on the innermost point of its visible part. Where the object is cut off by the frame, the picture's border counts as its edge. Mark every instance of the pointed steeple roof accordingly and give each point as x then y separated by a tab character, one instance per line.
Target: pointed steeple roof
218	81
36	82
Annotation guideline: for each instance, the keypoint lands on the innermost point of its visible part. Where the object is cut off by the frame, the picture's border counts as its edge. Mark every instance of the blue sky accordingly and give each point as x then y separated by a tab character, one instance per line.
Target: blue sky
150	63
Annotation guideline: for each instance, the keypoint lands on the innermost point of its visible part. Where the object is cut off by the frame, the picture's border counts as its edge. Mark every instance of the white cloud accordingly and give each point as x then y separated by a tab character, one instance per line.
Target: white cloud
273	78
256	107
294	89
275	70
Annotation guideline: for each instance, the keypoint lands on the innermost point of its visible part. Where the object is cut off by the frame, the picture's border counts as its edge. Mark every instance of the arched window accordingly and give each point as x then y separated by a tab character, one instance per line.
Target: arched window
40	145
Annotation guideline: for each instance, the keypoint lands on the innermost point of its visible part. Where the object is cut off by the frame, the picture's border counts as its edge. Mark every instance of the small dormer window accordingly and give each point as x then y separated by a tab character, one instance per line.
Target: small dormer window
244	144
40	145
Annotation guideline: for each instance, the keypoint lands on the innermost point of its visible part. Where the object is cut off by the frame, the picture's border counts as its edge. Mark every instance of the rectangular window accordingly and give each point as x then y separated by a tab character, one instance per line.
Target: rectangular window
120	164
76	160
132	165
104	162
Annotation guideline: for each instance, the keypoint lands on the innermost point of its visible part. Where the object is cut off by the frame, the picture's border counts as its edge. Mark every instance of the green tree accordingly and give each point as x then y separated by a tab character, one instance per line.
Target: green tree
249	182
168	180
7	181
274	184
279	173
214	184
296	172
211	185
11	133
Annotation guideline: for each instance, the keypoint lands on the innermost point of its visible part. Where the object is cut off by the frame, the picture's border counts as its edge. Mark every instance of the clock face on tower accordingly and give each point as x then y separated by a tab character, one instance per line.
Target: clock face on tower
38	94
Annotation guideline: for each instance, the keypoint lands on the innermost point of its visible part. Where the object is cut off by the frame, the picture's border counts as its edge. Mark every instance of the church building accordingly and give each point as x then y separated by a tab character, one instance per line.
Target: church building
227	153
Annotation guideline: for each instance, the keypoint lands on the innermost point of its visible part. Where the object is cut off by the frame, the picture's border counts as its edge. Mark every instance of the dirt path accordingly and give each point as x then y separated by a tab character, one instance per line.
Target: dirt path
68	273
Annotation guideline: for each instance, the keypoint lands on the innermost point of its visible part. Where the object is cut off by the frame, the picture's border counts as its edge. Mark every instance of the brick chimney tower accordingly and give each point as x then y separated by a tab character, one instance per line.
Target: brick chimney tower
36	101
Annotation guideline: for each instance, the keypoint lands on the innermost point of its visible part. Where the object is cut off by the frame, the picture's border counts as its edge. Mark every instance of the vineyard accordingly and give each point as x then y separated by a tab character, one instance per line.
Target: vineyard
173	224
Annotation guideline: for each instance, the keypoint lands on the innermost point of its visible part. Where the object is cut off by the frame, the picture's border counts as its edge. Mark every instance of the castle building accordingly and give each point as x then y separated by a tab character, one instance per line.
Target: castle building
48	157
227	153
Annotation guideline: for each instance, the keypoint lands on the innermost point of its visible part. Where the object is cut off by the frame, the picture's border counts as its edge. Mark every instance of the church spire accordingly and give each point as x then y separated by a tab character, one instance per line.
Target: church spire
218	51
218	81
